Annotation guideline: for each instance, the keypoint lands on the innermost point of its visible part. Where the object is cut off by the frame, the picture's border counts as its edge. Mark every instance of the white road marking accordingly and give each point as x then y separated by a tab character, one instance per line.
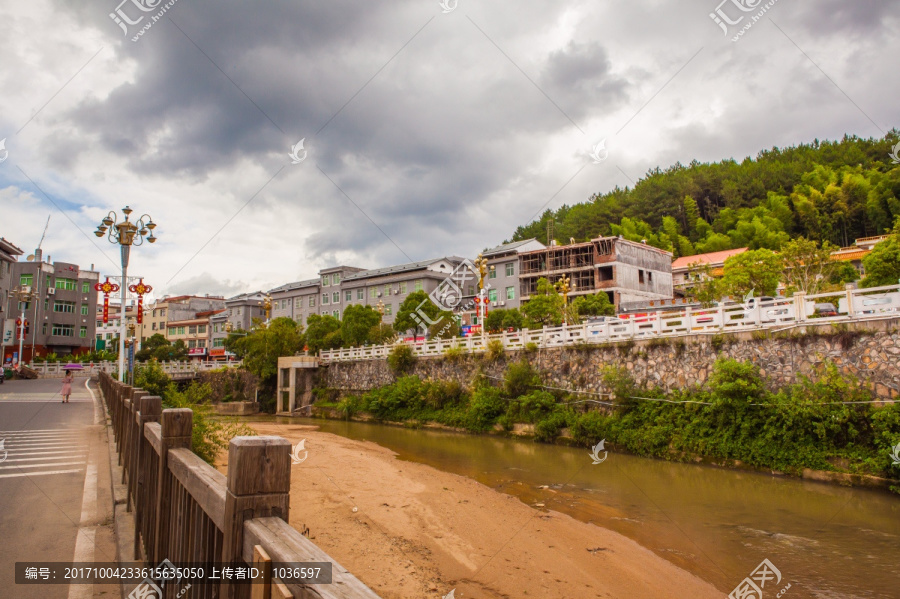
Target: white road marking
81	463
84	552
62	457
99	414
39	430
40	473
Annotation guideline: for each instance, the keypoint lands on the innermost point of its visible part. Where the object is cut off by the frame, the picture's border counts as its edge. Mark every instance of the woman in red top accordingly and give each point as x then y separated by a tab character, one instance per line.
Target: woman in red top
66	390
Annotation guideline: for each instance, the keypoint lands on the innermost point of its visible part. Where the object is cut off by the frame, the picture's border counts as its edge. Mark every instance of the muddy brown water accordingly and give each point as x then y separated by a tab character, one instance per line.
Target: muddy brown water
827	541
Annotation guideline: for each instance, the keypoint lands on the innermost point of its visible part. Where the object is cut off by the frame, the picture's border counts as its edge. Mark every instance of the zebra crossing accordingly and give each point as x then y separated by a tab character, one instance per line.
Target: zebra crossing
42	452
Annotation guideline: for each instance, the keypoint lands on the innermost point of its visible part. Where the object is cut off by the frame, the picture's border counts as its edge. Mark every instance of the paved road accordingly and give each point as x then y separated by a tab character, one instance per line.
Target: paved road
55	497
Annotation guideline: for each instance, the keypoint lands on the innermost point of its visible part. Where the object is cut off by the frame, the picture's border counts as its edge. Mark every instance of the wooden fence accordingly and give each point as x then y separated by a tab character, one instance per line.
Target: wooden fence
186	511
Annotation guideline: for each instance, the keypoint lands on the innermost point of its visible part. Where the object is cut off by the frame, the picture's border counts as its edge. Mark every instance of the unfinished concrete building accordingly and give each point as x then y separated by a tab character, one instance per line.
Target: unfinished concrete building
625	270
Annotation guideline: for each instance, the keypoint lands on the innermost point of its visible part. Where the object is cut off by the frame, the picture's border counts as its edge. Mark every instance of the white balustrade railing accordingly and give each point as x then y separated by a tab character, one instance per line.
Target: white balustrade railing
853	305
53	369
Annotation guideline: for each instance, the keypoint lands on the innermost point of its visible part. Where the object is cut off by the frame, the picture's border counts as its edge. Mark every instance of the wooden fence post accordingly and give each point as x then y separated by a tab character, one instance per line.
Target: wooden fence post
148	410
176	426
259	485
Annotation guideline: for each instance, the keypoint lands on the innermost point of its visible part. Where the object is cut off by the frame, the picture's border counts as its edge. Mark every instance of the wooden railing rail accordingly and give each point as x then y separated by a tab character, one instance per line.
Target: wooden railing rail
186	511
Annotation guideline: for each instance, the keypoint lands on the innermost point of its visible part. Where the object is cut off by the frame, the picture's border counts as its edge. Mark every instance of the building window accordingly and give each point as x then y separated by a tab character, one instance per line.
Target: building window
403	287
46	303
360	294
471	290
348	296
201	329
510	269
388	309
492	295
387	289
84	309
192	329
26	280
99	324
336	297
641	276
82	332
24	306
324	299
181	330
63	330
66	284
312	301
192	343
67	307
201	342
336	314
417	285
85	288
108	336
373	292
649	276
43	329
492	273
162	313
336	279
219	342
326	280
510	293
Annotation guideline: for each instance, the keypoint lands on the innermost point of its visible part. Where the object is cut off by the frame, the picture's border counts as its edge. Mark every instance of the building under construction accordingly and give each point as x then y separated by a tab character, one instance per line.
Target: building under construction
625	270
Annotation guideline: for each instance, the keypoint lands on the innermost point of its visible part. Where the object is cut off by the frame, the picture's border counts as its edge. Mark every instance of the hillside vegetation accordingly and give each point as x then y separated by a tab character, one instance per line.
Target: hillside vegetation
824	191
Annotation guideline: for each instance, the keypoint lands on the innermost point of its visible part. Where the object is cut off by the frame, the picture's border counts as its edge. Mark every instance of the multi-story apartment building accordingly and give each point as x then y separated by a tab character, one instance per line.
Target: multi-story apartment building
61	313
9	254
241	310
296	300
386	288
503	272
177	308
194	332
625	270
332	296
685	269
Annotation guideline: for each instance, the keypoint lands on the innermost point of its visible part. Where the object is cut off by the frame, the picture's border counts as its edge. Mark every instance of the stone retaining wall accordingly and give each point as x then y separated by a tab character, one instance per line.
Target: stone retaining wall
869	351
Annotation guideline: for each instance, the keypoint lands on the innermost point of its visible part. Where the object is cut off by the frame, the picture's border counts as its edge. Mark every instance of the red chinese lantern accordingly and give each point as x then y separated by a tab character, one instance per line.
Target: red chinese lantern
140	290
106	288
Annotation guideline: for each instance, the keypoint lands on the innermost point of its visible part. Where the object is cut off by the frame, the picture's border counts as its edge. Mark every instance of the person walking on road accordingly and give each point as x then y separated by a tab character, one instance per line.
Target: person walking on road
66	390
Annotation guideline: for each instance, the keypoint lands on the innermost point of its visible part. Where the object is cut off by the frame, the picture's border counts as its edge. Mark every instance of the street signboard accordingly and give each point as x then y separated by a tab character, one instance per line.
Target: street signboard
9	331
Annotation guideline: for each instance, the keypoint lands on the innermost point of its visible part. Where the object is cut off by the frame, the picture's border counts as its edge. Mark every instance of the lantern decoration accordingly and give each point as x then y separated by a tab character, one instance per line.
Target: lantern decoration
140	290
106	288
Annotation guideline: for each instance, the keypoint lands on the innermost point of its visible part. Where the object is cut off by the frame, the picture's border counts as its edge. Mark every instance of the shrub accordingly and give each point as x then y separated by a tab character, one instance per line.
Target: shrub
532	407
519	379
531	347
548	429
151	378
209	436
590	428
494	350
485	406
401	359
454	353
442	393
349	406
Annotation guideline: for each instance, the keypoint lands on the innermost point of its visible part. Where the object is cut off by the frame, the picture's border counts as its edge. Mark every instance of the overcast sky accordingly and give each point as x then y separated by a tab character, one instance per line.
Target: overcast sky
426	133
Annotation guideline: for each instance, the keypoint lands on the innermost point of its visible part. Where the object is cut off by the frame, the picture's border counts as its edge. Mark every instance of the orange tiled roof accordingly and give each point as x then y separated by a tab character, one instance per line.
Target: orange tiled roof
854	255
710	258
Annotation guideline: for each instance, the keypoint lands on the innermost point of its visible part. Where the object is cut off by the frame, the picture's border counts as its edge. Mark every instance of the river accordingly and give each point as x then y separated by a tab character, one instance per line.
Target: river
827	541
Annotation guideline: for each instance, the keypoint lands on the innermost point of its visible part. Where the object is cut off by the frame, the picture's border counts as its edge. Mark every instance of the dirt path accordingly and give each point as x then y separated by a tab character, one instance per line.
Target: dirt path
419	532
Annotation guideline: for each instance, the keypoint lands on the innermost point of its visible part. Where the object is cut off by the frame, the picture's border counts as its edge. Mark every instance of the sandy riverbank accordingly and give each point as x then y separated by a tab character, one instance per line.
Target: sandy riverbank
420	532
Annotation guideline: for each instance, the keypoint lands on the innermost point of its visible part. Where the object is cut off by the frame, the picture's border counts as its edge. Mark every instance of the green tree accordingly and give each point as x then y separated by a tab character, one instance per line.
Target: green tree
382	334
594	305
357	324
409	315
262	347
545	308
149	347
703	286
754	270
503	319
883	262
318	327
807	266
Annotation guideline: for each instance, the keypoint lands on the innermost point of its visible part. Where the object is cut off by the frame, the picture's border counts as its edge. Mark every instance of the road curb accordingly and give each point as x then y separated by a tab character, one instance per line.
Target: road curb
123	520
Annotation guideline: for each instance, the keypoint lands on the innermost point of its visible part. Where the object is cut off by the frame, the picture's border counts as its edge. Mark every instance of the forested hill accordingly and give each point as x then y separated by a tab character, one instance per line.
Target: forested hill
828	191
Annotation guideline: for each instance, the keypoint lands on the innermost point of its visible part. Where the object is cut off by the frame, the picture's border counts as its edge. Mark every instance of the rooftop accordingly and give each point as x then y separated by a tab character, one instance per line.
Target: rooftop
710	258
295	285
390	270
506	247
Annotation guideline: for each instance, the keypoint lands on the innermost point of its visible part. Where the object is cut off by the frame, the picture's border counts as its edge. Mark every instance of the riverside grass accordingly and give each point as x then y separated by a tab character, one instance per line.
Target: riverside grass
804	425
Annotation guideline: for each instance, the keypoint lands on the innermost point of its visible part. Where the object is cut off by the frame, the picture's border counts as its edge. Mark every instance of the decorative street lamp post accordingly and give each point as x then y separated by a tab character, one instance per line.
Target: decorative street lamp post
481	265
380	307
562	286
125	233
